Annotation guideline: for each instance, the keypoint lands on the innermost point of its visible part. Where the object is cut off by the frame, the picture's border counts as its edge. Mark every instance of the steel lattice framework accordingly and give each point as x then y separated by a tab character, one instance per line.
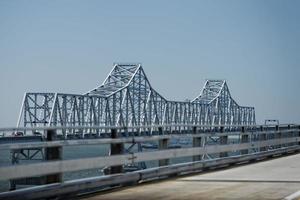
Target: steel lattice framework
126	98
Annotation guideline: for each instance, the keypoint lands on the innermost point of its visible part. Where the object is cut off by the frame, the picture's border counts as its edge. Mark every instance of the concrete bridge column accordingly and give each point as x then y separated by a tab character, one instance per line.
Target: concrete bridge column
51	154
163	144
223	141
116	149
244	139
196	143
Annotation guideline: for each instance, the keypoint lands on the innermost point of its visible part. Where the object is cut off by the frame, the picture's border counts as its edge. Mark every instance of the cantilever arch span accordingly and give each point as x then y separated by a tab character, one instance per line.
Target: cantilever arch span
126	98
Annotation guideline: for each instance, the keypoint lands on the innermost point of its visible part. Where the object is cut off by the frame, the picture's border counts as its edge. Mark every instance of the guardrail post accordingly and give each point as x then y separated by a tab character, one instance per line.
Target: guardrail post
116	149
262	137
223	141
244	139
299	134
196	143
292	134
278	135
162	144
51	154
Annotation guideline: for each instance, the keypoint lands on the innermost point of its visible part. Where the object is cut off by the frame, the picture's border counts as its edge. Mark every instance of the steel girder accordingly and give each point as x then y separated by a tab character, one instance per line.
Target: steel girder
126	98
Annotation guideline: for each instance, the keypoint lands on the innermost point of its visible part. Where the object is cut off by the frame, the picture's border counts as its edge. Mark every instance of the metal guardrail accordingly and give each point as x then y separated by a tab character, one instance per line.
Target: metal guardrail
167	127
77	142
262	143
81	185
44	168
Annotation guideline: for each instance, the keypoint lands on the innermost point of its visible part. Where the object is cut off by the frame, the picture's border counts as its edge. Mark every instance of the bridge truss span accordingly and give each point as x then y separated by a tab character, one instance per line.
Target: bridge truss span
126	98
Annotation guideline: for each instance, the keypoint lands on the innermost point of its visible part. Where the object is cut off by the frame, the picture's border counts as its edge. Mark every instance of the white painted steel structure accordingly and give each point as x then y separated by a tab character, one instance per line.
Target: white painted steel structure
126	98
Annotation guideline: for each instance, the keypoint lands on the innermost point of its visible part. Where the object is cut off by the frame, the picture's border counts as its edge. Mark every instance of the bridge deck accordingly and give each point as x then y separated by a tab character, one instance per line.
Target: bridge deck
272	179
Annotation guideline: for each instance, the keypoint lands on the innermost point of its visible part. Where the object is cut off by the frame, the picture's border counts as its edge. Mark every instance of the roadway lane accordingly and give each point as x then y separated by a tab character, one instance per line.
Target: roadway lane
272	179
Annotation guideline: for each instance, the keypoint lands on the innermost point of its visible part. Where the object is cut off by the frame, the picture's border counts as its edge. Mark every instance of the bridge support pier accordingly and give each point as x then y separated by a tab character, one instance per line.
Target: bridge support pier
116	149
51	154
244	139
223	141
163	144
196	143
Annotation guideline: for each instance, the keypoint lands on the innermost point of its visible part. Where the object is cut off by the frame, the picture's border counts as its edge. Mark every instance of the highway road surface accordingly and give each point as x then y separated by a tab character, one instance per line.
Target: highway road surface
272	179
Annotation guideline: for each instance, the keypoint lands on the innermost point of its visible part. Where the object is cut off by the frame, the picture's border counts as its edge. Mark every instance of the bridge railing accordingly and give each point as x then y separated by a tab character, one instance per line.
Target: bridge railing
80	132
207	149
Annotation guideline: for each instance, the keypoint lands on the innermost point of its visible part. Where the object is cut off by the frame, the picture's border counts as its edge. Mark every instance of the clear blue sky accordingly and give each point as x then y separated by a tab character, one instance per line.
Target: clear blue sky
70	46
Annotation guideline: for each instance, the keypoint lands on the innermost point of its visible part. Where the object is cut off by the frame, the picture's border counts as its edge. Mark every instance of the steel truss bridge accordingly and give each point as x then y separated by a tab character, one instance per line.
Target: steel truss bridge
127	114
125	99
